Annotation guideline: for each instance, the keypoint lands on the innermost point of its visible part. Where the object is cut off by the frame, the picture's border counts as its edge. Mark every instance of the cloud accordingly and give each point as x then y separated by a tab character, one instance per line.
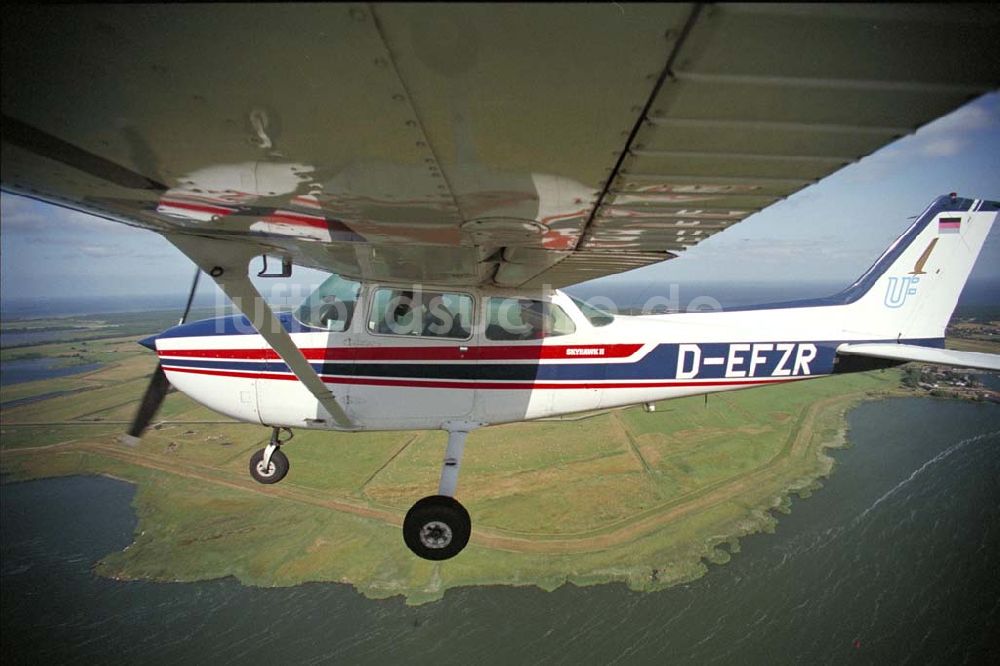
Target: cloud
53	250
778	249
963	129
947	135
981	114
100	251
942	147
746	258
23	215
123	256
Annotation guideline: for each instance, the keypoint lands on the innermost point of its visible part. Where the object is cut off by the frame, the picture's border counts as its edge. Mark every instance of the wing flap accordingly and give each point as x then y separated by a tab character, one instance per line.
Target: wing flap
962	359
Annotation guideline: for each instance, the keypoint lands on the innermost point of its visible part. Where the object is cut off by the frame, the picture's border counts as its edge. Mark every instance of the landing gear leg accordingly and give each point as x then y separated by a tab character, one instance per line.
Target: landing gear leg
438	527
451	463
270	465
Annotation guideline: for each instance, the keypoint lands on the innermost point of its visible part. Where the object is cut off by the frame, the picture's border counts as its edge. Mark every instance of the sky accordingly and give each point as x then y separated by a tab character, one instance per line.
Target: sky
828	232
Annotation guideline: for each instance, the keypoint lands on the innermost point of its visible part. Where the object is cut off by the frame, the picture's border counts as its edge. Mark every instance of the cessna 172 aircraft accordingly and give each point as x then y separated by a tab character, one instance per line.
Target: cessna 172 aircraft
453	166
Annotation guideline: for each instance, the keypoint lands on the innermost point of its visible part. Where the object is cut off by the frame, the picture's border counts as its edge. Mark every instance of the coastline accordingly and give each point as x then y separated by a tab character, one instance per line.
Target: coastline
665	546
871	550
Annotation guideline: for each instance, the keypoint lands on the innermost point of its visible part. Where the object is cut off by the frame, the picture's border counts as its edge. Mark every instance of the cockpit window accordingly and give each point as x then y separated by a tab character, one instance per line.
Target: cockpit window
331	306
525	319
595	316
430	314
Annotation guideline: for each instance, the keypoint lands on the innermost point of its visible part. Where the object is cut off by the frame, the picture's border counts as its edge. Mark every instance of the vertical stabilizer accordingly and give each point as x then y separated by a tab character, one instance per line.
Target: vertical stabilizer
911	291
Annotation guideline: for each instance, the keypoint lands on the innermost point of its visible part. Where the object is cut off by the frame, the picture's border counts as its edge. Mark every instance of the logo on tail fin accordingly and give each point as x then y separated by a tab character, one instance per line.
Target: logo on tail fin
899	289
918	268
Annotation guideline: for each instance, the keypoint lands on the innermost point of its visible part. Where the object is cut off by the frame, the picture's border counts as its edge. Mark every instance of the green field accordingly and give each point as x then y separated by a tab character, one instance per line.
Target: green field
644	498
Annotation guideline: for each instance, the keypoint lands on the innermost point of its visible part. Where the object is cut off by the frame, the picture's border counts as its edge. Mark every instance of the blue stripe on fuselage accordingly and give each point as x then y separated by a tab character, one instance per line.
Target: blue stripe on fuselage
694	361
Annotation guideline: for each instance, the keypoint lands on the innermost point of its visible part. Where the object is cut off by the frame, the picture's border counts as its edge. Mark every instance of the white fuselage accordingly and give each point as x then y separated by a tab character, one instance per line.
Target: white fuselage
392	382
417	381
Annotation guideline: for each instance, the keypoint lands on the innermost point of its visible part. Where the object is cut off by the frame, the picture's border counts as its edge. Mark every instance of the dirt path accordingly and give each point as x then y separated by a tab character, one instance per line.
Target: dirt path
609	536
631	445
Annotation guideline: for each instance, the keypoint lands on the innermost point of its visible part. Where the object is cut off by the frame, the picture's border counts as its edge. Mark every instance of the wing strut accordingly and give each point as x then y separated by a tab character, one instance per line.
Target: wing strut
227	263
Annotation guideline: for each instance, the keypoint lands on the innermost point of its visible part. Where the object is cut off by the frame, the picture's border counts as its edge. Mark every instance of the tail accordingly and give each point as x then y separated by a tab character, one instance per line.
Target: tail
910	293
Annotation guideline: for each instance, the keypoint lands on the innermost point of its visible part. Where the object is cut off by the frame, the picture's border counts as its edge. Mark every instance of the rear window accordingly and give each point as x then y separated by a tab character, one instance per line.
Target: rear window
525	319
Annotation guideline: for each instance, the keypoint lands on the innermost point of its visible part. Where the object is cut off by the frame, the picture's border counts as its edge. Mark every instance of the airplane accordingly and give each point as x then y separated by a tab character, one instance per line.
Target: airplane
452	167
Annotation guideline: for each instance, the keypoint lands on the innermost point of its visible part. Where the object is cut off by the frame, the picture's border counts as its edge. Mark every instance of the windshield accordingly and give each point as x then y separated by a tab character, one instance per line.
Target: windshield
595	316
331	306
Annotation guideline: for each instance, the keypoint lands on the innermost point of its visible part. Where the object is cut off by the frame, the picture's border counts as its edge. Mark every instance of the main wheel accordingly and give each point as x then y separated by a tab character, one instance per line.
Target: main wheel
437	528
275	470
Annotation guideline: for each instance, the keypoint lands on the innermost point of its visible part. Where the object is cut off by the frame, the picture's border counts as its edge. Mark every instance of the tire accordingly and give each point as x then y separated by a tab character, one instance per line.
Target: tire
437	528
276	470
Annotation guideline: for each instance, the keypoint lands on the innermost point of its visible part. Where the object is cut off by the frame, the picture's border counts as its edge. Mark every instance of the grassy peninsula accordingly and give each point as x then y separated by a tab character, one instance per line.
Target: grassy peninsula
643	498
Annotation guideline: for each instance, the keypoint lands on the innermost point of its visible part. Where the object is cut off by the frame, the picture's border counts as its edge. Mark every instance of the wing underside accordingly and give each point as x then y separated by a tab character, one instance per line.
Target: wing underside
515	145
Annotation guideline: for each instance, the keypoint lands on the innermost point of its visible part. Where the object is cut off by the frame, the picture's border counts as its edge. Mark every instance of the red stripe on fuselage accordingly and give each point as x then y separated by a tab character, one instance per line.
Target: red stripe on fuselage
499	353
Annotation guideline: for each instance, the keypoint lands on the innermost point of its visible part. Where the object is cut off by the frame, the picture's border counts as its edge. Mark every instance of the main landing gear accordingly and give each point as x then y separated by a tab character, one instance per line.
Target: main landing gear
435	528
270	465
438	527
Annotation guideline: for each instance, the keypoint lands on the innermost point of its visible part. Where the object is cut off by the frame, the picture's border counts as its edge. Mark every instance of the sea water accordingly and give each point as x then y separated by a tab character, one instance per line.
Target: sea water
894	560
33	369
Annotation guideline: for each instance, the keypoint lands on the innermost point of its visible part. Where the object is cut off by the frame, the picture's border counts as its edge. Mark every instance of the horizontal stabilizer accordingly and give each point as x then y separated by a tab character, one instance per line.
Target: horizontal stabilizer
962	359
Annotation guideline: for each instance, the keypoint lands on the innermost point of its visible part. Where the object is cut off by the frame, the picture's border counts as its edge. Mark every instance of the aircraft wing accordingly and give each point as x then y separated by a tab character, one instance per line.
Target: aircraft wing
897	352
515	145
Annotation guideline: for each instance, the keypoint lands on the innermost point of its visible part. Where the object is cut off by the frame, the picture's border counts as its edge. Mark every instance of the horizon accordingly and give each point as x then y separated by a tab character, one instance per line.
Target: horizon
979	292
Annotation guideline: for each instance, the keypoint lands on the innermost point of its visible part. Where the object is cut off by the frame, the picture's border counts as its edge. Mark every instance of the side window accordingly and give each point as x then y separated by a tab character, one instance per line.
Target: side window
431	314
525	319
331	306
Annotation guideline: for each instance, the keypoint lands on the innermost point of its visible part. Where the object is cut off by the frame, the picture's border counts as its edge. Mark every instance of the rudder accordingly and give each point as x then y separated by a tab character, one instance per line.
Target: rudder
911	292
